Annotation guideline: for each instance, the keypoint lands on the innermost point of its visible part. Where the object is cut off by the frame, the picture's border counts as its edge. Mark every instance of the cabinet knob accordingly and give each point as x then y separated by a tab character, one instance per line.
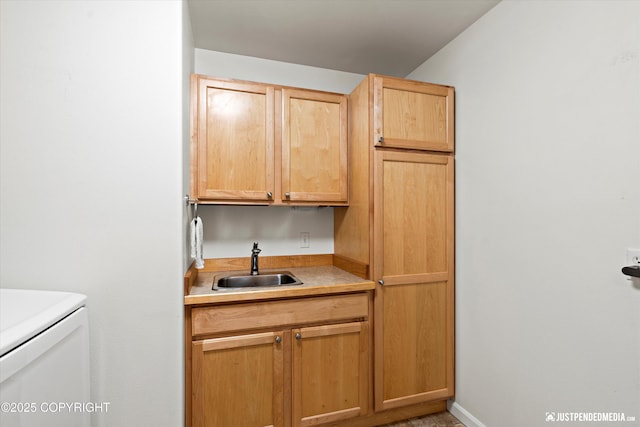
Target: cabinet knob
287	195
381	281
298	336
381	140
269	194
278	339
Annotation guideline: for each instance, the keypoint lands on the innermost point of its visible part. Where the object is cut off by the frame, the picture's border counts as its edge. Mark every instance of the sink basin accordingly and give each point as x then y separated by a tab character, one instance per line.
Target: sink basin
248	281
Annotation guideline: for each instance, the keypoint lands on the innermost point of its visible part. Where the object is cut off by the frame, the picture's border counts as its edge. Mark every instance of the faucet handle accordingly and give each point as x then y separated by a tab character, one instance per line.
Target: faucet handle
255	249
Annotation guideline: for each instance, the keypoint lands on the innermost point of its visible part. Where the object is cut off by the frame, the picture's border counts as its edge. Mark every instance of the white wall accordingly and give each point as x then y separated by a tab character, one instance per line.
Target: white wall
548	166
226	65
91	131
229	231
187	69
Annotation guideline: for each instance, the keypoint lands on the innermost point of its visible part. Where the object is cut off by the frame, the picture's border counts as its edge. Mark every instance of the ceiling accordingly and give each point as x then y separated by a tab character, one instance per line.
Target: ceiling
391	37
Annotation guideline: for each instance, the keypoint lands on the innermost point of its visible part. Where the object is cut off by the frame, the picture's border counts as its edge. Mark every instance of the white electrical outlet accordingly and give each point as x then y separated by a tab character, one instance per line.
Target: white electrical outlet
304	239
633	256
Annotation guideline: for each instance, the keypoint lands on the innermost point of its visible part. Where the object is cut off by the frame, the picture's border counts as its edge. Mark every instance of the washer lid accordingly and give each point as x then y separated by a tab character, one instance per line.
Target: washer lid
26	313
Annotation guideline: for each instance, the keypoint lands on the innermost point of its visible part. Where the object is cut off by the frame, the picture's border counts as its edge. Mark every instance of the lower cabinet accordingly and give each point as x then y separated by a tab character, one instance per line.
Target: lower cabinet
238	381
330	373
291	375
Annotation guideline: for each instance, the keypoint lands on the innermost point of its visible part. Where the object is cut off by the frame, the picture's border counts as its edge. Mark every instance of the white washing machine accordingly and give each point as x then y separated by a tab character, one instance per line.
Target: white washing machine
44	359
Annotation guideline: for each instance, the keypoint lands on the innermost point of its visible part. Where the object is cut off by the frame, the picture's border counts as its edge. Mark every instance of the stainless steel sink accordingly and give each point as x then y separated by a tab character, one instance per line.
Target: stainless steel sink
248	281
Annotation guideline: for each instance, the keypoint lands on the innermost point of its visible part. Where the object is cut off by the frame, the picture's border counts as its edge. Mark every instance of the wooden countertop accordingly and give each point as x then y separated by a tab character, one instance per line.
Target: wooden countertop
317	280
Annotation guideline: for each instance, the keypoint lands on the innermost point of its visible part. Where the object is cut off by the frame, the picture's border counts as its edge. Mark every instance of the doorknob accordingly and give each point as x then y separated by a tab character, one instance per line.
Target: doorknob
632	270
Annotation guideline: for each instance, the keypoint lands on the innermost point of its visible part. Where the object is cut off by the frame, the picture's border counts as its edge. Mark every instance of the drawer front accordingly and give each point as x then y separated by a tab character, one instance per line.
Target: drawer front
269	314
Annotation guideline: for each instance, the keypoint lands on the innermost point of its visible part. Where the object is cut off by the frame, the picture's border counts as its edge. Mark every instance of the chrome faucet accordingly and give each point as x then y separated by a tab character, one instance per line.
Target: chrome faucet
254	259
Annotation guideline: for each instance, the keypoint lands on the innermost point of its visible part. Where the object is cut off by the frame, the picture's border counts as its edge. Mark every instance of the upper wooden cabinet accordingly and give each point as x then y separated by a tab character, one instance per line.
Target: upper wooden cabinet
414	115
232	151
254	143
314	146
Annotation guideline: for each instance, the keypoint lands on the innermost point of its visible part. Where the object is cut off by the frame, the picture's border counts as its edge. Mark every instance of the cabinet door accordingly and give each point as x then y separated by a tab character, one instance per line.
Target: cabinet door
234	157
413	241
314	146
238	381
409	114
330	373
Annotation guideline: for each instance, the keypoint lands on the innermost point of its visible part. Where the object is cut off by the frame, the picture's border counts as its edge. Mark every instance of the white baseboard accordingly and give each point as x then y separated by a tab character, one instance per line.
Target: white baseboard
463	415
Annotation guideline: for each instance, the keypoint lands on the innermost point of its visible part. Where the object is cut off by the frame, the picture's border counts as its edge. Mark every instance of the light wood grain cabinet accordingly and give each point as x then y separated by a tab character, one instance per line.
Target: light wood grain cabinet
314	146
330	371
238	381
413	259
254	143
232	148
414	115
399	228
288	371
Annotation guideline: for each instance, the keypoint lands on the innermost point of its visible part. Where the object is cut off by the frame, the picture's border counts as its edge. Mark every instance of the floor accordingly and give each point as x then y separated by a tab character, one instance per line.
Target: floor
441	419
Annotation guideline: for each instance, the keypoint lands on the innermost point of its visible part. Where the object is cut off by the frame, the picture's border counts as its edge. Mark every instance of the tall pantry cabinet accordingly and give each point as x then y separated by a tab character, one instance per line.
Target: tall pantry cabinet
399	232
